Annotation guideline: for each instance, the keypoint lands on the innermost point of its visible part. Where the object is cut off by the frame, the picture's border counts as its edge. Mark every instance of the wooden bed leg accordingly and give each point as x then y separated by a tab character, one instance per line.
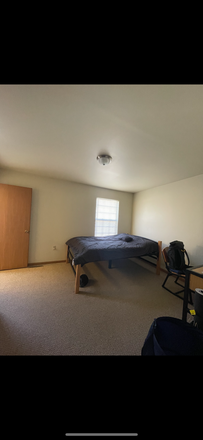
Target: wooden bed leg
159	258
67	259
77	278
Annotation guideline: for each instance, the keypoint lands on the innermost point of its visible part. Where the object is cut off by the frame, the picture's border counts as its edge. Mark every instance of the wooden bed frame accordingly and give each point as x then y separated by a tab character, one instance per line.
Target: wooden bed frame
78	266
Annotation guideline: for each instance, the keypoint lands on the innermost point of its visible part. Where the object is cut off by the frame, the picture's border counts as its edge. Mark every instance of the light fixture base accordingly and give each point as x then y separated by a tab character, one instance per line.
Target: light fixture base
104	159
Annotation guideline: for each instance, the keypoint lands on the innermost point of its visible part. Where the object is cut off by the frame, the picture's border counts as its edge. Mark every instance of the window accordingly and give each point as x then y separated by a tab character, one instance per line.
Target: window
106	217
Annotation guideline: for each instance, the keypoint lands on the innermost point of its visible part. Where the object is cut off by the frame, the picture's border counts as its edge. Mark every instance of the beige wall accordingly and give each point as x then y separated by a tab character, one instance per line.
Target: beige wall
61	210
172	212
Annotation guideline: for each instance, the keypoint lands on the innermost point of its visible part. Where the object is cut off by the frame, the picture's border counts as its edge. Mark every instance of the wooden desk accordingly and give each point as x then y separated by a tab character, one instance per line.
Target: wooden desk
193	280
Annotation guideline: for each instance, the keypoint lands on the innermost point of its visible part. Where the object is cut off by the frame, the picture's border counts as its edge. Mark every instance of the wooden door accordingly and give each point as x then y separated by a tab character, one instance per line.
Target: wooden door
15	211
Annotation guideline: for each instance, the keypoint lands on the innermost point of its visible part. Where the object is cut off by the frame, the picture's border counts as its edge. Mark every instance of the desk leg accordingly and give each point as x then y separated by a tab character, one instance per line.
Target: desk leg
185	300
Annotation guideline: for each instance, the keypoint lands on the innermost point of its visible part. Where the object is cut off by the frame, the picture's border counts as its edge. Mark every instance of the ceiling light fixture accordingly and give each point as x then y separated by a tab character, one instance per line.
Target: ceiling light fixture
104	159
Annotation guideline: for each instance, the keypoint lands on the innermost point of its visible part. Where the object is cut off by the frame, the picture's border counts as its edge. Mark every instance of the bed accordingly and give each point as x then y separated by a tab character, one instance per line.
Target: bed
83	250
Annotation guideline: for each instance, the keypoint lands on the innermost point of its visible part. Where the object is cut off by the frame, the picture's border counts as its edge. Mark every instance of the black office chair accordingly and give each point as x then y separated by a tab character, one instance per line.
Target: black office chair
178	273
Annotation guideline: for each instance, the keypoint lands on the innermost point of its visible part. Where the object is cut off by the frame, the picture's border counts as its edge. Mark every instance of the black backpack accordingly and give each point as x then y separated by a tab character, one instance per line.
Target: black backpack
176	255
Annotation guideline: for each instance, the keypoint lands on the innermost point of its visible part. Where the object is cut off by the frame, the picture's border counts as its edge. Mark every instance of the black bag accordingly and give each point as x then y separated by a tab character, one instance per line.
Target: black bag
176	255
83	280
172	337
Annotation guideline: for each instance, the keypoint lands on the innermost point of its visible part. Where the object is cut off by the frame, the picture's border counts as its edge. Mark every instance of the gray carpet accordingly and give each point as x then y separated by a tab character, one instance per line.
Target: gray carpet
41	315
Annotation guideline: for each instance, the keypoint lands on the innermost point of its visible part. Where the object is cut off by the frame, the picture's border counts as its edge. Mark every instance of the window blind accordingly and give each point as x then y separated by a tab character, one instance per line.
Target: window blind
106	217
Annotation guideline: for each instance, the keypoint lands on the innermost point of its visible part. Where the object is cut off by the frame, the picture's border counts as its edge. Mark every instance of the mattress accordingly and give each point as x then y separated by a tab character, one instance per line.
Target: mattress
111	247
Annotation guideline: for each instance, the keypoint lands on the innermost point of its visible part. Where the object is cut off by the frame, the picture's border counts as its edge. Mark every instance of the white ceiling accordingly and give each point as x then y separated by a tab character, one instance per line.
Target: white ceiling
154	133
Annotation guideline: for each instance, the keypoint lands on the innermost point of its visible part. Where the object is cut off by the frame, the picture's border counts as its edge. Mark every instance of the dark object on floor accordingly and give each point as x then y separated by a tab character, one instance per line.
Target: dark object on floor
172	337
83	280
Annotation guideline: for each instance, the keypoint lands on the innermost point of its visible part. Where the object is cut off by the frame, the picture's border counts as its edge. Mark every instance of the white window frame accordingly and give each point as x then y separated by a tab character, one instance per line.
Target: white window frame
106	217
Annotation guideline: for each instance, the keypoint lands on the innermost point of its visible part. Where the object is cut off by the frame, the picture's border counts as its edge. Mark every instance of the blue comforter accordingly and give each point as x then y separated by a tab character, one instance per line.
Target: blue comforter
111	247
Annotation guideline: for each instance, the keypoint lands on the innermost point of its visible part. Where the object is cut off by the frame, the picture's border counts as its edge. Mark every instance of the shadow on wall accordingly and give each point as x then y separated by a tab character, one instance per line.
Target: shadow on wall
1	166
196	257
162	259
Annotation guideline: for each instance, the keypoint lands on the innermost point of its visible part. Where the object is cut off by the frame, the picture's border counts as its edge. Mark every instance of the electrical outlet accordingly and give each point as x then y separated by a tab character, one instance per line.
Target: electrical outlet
54	248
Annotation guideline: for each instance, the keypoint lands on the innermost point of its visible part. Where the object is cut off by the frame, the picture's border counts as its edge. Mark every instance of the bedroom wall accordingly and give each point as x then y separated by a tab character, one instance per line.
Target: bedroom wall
172	212
61	210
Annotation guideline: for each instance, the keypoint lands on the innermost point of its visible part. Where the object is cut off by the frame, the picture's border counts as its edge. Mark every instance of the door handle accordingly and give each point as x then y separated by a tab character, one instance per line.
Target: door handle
27	231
